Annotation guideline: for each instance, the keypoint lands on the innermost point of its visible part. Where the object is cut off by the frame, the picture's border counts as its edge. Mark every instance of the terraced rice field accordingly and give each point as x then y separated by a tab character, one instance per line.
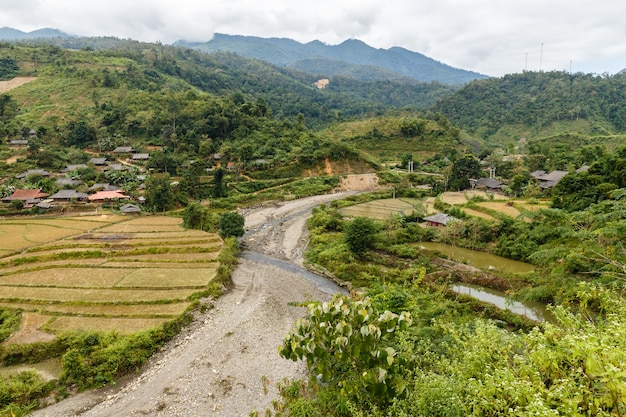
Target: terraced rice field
382	209
102	272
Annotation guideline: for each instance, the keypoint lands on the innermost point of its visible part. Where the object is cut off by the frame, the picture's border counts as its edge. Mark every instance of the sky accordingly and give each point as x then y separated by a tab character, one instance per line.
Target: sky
492	37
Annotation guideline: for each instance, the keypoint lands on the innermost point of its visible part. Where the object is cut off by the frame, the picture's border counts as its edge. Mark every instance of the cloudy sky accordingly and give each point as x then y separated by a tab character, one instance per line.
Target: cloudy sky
493	37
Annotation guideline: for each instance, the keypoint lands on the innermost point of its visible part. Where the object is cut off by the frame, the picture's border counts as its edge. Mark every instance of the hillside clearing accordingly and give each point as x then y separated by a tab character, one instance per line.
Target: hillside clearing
14	83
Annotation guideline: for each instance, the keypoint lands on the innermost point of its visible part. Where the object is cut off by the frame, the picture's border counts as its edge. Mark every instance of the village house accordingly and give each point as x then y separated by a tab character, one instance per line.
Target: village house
25	195
103	186
67	182
140	157
489	184
70	168
124	149
130	209
108	195
68	195
98	161
28	172
439	219
548	180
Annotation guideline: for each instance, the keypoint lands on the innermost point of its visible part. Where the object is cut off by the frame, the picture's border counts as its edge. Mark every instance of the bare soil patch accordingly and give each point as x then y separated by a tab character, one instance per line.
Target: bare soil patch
29	330
14	83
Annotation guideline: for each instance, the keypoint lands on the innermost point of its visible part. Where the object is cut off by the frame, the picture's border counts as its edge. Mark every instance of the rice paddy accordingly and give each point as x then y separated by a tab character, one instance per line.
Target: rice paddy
102	272
382	209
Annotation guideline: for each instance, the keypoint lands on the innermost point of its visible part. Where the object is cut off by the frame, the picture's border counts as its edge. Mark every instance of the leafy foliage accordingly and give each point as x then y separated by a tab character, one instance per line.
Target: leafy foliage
347	334
9	322
360	235
231	224
159	193
464	168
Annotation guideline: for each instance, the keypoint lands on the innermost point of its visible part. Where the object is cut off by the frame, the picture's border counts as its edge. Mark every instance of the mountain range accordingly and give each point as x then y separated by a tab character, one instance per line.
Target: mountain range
352	58
10	34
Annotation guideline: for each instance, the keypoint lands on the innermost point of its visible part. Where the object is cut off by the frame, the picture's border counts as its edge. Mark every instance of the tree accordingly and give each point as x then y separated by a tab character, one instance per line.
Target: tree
462	170
218	178
195	216
360	235
159	193
81	134
231	224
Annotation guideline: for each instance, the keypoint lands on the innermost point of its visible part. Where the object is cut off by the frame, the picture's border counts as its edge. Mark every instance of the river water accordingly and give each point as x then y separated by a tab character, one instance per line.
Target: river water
492	263
532	310
481	260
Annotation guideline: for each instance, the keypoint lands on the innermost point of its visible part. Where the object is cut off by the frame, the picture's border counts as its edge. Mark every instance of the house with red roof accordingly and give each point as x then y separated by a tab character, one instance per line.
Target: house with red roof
25	195
108	195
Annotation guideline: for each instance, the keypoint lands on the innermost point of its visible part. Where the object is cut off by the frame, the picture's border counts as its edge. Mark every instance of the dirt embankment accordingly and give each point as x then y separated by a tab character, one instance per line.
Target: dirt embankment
226	363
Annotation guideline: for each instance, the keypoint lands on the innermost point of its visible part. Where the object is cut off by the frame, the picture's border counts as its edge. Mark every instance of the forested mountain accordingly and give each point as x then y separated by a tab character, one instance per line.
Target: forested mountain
287	91
351	57
536	104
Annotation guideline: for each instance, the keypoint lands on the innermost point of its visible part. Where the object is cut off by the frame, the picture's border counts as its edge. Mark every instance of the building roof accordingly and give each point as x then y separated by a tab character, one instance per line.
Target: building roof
489	183
98	161
108	195
44	205
69	168
583	168
555	176
67	181
124	149
130	208
26	195
141	156
26	173
117	167
68	195
537	174
18	142
440	218
103	186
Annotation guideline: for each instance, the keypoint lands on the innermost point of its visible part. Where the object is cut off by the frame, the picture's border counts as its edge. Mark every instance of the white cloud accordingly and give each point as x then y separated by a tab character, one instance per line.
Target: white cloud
489	36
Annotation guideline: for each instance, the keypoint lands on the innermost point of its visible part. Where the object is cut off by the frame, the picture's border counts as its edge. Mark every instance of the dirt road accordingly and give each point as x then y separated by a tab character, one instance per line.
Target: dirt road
226	363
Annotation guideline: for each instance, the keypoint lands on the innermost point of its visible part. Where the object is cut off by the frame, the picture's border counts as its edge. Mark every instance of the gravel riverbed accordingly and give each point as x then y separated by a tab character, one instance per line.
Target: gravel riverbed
226	362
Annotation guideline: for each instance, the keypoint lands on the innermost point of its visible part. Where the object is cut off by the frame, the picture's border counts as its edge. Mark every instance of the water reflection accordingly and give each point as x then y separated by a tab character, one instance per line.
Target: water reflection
478	259
531	310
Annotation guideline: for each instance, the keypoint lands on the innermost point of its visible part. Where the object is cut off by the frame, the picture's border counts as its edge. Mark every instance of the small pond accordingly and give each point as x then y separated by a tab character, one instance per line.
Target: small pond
478	259
531	310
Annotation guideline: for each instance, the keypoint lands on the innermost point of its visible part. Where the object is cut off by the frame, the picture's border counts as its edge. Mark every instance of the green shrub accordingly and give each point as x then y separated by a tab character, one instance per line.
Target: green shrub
9	322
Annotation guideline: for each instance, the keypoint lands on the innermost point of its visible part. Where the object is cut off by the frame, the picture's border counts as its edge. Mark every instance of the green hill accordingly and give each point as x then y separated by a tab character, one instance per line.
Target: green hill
538	104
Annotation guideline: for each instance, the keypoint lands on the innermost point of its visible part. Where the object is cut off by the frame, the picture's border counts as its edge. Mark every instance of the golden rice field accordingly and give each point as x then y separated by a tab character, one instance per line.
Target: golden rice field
500	207
476	213
382	209
102	272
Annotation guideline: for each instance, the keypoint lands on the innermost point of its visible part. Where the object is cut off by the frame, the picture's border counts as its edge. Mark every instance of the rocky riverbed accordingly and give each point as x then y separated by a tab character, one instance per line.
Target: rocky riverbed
226	363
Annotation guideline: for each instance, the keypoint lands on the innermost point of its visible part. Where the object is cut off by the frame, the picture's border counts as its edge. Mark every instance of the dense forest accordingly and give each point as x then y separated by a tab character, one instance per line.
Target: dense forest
529	103
223	131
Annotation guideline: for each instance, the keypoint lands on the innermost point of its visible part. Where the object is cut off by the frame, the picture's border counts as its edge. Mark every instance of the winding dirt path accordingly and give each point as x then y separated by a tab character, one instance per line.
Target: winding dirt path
226	363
